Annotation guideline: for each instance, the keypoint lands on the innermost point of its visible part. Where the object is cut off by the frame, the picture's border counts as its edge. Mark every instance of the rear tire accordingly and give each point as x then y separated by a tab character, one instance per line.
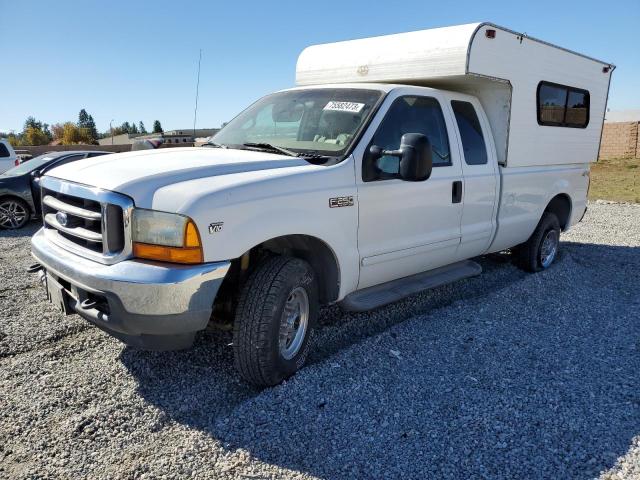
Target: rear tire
14	213
539	252
274	320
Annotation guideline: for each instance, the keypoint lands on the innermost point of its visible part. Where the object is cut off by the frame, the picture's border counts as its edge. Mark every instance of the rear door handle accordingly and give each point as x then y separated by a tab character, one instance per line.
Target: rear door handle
456	192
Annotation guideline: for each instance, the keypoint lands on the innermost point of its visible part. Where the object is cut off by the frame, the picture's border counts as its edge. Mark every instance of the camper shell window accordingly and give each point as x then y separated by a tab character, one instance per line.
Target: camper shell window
562	106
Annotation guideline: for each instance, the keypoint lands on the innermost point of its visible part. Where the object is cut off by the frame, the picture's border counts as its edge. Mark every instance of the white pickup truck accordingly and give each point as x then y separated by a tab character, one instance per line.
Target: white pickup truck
392	163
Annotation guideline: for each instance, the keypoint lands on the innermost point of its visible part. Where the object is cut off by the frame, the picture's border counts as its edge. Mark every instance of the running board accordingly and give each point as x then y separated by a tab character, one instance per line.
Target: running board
379	295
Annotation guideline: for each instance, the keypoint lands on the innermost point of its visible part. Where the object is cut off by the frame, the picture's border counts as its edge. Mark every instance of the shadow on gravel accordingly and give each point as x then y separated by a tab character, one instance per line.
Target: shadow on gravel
504	375
27	231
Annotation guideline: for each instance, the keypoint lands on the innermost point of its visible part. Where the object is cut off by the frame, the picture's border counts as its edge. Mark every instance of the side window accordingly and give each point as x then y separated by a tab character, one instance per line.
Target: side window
475	150
562	106
4	151
411	114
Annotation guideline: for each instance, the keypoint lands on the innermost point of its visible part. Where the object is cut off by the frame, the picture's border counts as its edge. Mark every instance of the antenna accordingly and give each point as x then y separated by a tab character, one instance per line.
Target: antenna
195	111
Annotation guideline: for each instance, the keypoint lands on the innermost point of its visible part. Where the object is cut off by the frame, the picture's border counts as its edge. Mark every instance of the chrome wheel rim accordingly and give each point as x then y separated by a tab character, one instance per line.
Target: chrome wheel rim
549	248
12	214
294	322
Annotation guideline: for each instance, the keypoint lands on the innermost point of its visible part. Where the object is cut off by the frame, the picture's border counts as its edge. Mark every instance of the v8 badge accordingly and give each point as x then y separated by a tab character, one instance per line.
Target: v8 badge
215	227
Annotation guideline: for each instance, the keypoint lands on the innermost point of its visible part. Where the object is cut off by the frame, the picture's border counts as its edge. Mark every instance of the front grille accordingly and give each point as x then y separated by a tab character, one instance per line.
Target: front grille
91	222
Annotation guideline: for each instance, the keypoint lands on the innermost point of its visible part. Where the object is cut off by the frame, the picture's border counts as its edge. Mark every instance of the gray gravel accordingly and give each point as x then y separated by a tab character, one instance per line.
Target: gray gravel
506	375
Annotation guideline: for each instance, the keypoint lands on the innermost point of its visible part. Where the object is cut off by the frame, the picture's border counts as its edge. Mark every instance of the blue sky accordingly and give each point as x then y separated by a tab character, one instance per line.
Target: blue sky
136	60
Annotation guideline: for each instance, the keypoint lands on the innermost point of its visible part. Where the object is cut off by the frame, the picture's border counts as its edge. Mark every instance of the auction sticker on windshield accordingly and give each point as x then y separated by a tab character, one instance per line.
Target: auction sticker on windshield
351	107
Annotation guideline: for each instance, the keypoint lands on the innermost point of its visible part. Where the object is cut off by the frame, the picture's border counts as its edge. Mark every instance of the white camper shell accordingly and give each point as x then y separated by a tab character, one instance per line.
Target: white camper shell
502	68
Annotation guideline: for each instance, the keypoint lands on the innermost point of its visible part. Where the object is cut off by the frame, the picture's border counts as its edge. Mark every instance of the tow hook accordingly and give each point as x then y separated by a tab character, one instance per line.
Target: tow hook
88	304
36	267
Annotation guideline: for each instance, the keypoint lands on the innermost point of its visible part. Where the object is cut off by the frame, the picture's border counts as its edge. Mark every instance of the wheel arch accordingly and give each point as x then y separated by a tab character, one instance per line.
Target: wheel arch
561	206
313	250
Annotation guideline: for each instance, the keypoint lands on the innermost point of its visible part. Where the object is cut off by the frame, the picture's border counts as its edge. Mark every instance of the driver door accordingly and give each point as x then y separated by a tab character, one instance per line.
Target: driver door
407	227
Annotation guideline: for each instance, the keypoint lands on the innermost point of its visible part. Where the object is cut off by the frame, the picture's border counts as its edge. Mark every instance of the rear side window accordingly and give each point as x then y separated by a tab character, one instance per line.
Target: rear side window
475	150
4	151
562	106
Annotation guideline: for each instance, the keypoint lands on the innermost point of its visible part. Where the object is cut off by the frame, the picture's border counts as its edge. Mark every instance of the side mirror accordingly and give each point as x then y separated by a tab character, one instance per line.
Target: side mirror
36	174
415	157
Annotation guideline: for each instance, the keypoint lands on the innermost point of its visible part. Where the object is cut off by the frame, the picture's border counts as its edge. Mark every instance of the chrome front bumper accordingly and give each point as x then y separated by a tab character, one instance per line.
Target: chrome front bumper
149	305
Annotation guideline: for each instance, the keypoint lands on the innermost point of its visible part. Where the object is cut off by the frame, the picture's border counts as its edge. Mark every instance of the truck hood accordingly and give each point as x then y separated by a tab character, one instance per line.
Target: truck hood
140	173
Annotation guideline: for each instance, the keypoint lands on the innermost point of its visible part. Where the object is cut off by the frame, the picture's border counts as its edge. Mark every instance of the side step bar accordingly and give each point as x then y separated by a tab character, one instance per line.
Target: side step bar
379	295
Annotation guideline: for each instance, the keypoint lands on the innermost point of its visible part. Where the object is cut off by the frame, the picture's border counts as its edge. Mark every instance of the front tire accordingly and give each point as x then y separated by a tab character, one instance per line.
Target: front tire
539	252
274	320
14	213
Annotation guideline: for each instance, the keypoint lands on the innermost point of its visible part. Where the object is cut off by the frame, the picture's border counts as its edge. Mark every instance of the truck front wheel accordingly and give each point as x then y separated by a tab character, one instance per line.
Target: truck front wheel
274	320
539	252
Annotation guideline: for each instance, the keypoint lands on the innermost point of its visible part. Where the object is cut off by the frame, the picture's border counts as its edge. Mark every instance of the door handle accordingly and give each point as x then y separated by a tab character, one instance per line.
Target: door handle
456	192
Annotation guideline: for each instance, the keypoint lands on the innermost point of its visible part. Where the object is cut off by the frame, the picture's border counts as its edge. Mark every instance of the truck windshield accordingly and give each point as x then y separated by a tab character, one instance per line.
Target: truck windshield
318	121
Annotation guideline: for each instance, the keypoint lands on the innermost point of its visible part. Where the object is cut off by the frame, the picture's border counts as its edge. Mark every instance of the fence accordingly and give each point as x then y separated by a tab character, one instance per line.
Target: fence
620	140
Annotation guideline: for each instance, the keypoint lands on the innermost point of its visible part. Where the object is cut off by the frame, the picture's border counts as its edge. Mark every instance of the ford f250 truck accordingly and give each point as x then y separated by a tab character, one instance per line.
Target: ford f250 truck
393	162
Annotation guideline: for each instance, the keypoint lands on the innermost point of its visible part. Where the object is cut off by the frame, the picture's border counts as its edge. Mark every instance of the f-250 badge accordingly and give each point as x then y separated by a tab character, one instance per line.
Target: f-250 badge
215	227
341	202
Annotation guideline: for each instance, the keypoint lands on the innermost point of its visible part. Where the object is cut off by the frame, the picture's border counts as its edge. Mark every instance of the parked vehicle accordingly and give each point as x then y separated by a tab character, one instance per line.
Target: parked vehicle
23	156
20	186
378	176
8	157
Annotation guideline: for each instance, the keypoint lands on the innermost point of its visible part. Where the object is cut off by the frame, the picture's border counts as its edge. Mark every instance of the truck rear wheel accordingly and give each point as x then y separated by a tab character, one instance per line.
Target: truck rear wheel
274	320
539	252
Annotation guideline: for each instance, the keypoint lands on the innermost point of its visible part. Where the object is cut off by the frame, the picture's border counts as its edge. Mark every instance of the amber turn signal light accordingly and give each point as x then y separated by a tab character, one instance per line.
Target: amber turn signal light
190	252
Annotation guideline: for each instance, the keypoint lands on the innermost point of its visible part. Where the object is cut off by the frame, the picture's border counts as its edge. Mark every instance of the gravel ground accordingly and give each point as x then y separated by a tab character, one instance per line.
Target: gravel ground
506	375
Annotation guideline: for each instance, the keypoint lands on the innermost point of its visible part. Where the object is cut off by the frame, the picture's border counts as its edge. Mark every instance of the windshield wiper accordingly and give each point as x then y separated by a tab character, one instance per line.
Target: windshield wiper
214	144
270	148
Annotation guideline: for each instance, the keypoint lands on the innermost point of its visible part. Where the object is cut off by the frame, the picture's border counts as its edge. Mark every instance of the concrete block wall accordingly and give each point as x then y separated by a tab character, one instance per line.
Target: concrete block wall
620	140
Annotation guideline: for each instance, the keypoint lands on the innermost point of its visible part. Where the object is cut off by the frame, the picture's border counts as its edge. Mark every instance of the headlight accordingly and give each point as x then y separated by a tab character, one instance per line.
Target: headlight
166	237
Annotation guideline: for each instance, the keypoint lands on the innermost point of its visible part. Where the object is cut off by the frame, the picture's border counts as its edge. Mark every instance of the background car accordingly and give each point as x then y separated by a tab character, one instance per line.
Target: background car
23	155
20	189
8	157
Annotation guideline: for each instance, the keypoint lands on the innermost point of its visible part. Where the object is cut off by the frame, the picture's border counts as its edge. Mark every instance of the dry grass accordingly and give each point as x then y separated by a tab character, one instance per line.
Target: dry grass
617	180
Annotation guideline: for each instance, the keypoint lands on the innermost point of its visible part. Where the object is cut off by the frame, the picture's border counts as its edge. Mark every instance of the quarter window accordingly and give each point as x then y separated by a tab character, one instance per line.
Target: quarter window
475	150
562	106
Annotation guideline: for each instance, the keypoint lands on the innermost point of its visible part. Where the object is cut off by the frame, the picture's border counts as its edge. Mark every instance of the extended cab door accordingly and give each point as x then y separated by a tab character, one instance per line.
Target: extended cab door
480	171
407	227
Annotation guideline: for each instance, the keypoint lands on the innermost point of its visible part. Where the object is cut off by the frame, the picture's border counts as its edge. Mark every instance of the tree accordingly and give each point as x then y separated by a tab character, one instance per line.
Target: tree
91	125
14	140
83	119
133	129
31	122
142	129
58	131
47	132
34	133
34	136
71	134
87	128
125	127
157	128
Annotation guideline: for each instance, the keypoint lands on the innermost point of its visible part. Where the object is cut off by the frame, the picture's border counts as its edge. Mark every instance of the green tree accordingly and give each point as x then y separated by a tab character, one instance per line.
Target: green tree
134	128
91	125
141	128
87	128
31	122
83	119
125	127
157	128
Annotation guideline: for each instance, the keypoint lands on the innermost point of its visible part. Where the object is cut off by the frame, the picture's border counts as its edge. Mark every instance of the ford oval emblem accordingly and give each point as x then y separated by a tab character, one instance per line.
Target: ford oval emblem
62	218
